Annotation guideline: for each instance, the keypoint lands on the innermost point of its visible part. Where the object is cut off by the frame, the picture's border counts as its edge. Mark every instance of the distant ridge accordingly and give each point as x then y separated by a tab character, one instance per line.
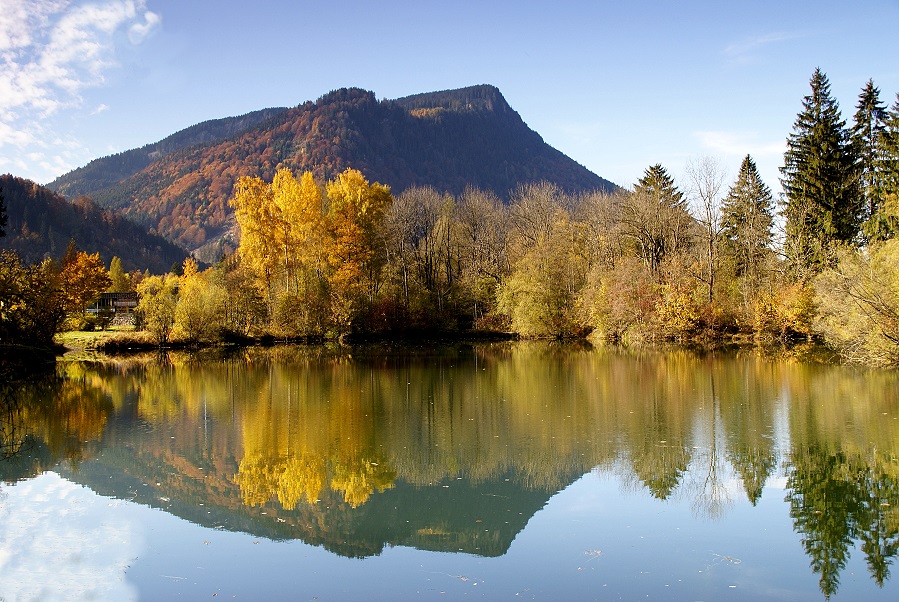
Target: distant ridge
41	224
112	169
449	140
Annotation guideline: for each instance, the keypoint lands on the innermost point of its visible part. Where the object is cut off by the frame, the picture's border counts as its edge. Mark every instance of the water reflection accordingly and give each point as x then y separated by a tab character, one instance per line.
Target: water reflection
455	449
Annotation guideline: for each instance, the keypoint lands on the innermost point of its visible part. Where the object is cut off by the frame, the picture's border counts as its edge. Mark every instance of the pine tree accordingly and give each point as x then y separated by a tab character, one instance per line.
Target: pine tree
889	156
655	216
866	134
4	219
660	186
746	219
818	178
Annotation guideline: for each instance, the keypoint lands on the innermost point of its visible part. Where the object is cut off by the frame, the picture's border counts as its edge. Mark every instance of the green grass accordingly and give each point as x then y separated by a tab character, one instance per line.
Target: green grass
76	339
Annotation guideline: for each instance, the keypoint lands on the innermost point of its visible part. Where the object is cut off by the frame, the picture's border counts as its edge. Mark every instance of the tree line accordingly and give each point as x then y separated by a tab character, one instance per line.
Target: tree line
705	259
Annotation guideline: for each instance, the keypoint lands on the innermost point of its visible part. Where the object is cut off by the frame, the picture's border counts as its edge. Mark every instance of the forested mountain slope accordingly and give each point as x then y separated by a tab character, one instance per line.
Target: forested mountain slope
41	224
109	171
448	140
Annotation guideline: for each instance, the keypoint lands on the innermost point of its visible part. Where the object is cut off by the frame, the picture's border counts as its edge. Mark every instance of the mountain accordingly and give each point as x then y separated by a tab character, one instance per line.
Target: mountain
41	224
448	140
109	171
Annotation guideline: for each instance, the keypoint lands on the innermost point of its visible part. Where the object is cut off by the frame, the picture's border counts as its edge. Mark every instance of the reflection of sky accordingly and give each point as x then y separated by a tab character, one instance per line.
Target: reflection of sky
61	541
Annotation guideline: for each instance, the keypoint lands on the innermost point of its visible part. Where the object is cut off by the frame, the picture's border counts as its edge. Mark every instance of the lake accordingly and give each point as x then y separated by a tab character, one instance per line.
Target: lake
493	471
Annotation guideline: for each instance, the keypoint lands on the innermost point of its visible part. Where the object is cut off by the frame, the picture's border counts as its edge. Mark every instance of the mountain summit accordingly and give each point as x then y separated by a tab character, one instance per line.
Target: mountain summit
179	187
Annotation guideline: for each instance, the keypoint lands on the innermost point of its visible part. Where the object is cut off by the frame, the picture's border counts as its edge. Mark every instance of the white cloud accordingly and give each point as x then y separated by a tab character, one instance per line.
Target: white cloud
743	51
139	31
100	108
51	50
89	538
739	144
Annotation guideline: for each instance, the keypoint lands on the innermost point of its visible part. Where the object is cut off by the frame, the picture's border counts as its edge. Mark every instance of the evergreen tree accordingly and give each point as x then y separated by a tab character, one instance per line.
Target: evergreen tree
866	134
660	186
818	177
3	217
884	223
746	219
656	217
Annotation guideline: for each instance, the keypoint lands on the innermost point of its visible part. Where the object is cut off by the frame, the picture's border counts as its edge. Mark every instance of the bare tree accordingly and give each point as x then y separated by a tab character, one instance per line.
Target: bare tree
706	177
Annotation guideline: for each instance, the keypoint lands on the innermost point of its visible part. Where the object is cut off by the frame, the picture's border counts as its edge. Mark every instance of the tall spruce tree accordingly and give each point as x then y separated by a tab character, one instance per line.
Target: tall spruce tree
661	187
4	219
866	134
819	180
889	144
655	216
746	219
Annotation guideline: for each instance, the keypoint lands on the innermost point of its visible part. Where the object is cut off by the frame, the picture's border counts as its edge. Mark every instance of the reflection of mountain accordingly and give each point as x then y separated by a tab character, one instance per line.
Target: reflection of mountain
455	515
355	449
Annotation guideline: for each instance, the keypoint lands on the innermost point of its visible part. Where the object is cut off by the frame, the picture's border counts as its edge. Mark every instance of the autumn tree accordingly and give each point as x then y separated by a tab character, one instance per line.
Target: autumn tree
540	293
83	277
707	179
549	268
424	255
244	309
299	209
120	282
200	305
259	220
859	304
482	227
32	305
355	249
158	300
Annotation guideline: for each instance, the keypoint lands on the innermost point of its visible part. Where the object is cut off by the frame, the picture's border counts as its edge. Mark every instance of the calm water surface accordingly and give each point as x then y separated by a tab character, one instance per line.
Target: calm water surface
496	471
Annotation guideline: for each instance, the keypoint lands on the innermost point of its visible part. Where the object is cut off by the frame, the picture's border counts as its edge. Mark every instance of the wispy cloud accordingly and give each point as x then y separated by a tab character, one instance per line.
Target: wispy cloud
746	49
739	144
51	51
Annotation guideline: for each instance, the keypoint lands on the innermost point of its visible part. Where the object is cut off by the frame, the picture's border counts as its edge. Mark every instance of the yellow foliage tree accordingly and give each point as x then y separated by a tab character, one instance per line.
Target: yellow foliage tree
83	277
859	300
259	219
158	300
200	307
356	212
282	242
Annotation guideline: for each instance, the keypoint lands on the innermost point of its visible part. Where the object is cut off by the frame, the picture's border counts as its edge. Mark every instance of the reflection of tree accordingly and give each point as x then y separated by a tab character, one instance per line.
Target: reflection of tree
286	427
359	479
12	427
747	395
836	499
52	412
820	495
297	479
878	520
844	475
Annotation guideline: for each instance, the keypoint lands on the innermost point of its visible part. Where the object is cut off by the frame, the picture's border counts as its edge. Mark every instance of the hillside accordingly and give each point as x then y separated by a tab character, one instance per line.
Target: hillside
109	171
448	140
41	224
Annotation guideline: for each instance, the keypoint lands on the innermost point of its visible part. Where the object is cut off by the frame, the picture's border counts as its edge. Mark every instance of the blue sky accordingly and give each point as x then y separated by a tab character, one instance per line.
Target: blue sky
617	86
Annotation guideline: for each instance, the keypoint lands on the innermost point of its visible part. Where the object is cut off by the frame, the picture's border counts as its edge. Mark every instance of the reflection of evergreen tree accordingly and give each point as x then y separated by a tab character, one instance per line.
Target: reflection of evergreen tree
661	458
836	499
878	495
819	494
754	465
